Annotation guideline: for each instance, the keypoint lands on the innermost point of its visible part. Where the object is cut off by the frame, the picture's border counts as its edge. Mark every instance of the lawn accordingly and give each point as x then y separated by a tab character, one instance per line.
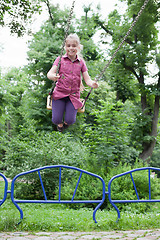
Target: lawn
47	217
54	217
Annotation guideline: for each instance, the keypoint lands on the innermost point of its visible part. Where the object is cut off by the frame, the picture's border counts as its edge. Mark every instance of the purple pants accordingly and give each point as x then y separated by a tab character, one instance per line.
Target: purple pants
59	107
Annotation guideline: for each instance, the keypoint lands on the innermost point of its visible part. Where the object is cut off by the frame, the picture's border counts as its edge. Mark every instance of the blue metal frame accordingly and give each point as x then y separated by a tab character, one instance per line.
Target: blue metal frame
5	189
16	201
131	201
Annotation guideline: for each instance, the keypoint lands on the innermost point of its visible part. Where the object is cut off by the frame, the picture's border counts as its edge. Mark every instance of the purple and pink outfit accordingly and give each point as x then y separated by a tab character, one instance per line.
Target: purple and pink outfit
66	94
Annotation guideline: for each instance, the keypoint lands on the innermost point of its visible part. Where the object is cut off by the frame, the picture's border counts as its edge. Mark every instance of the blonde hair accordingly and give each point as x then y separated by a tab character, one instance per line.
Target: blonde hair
75	37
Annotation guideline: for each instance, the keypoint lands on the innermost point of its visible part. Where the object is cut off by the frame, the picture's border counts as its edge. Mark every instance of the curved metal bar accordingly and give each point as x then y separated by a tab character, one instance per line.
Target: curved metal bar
100	202
13	200
5	189
110	199
131	201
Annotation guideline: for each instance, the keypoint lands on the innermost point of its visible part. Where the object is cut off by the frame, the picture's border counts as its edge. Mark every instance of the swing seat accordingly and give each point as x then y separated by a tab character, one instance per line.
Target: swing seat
82	109
49	102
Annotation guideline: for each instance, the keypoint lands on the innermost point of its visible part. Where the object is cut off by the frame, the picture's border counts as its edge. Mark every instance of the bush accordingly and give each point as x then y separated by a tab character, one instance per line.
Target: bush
31	149
109	138
122	188
89	188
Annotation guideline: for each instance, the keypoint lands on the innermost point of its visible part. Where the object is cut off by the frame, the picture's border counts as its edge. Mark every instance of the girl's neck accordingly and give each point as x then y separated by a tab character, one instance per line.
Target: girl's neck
72	58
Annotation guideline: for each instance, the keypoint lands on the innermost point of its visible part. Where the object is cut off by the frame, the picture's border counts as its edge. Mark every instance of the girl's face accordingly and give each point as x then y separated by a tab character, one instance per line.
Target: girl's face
71	48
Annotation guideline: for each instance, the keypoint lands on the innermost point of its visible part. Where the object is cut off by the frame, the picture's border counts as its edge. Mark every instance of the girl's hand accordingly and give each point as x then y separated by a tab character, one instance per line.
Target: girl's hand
95	84
55	77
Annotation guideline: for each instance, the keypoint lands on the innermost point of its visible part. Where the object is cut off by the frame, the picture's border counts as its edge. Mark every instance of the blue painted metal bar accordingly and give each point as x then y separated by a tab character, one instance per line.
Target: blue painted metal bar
130	201
134	186
60	184
12	197
110	197
99	202
135	201
77	186
103	197
57	201
39	174
5	189
149	183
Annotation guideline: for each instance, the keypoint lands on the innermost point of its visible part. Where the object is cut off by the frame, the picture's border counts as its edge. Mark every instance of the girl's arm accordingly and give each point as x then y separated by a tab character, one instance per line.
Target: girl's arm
88	80
52	73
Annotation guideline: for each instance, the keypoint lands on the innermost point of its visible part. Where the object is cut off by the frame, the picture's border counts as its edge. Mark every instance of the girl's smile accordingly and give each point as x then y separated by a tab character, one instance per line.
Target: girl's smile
71	48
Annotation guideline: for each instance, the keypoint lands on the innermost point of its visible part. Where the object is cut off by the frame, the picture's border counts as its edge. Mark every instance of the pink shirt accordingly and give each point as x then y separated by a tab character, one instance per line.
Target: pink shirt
70	79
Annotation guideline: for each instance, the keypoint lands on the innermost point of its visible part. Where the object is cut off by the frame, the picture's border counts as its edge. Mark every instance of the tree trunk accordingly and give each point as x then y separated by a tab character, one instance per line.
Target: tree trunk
149	147
143	95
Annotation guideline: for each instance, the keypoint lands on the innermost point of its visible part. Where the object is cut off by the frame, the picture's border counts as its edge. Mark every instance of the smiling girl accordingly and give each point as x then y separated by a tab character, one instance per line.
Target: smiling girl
66	95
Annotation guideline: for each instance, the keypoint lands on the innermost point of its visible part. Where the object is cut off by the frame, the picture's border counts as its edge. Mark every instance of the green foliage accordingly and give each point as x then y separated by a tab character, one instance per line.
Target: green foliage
123	189
89	188
52	218
44	48
13	85
108	139
1	187
141	129
131	63
30	149
112	130
19	12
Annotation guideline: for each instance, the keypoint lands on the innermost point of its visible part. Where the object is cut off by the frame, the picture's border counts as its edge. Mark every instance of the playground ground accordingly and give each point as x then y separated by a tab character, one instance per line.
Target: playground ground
125	235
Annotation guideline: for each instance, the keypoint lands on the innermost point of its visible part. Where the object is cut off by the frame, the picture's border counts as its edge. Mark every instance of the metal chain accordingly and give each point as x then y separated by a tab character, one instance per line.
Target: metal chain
120	45
108	63
64	41
124	39
66	34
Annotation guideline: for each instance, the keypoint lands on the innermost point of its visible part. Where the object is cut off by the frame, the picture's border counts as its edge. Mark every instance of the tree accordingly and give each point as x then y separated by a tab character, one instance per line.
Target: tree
132	63
46	46
109	138
16	14
14	86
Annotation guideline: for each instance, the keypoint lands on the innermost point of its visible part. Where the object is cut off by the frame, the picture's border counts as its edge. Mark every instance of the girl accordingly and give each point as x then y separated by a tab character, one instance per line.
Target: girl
66	94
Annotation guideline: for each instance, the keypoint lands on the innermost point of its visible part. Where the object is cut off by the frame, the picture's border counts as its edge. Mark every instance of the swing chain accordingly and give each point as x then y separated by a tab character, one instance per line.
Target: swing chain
64	41
66	34
120	45
125	37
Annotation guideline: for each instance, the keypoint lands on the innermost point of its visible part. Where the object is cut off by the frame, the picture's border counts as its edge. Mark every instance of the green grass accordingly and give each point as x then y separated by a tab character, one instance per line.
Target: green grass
54	217
47	217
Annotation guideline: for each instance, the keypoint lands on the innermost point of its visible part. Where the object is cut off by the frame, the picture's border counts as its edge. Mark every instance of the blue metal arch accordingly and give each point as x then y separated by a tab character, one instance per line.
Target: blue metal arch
113	202
5	189
38	170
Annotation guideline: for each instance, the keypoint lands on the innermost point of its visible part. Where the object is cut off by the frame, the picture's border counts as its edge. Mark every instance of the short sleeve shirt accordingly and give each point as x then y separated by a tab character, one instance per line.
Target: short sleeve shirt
70	79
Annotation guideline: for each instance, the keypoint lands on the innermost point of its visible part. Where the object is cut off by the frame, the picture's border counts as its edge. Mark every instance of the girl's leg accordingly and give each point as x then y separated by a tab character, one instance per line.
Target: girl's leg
58	108
71	112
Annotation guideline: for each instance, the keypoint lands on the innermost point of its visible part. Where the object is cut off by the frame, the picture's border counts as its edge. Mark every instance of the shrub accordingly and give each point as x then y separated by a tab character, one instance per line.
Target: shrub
122	188
31	149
